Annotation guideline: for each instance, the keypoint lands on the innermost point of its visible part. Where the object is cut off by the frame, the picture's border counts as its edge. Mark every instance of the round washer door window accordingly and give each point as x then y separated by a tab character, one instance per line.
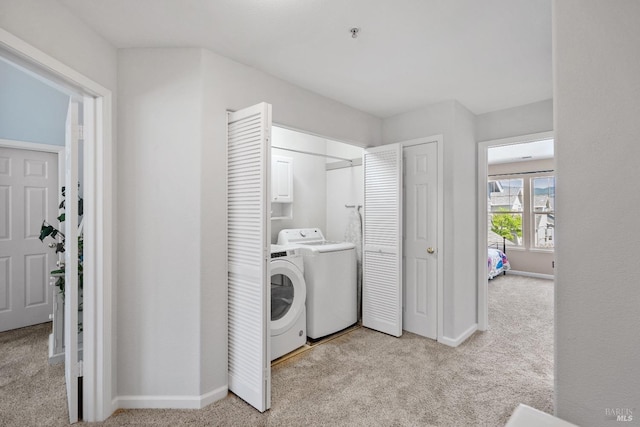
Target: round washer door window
288	295
282	295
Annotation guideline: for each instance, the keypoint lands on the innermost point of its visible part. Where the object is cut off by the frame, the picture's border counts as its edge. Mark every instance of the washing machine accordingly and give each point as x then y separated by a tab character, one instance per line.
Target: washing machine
330	272
288	297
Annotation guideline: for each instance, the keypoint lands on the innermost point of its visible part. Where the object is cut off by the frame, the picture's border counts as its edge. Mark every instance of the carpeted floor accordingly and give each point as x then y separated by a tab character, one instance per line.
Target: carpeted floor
363	378
32	393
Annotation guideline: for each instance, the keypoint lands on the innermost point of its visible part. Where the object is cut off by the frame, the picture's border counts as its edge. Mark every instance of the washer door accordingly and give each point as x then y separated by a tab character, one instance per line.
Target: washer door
288	295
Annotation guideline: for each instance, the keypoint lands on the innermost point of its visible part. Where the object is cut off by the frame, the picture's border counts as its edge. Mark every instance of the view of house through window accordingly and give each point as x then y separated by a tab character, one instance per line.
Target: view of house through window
508	201
543	194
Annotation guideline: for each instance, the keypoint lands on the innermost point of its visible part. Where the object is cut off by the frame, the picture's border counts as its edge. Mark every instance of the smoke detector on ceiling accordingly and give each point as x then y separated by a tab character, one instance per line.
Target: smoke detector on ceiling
354	32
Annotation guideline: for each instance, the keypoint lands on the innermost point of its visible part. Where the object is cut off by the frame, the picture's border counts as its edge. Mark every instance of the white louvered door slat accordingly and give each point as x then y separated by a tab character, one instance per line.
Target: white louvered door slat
382	236
248	234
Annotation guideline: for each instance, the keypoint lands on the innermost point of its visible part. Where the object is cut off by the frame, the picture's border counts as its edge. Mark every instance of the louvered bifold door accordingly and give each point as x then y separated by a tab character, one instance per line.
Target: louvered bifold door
382	236
248	241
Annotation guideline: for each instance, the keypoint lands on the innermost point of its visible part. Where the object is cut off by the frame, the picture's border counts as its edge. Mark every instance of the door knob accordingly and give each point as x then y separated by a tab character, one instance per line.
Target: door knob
431	250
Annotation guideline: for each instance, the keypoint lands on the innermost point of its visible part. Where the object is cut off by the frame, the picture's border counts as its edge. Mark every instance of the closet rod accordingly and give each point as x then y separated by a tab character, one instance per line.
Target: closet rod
313	154
520	173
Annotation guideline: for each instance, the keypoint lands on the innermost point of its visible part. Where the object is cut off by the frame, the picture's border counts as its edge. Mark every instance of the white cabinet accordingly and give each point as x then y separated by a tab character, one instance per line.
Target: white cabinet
281	179
281	187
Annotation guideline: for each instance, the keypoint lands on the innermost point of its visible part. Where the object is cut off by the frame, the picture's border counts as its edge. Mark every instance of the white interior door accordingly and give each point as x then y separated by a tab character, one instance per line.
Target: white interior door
382	237
71	366
28	195
248	254
420	249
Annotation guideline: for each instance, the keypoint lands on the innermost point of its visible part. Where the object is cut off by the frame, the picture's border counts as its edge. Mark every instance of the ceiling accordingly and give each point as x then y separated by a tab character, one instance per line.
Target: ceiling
488	55
522	152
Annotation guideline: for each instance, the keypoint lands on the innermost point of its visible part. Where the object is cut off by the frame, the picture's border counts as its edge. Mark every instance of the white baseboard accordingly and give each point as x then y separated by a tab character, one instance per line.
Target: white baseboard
213	396
529	274
170	402
454	342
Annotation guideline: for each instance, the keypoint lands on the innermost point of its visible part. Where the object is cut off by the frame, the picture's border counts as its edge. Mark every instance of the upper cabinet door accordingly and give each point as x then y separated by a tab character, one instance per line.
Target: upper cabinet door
281	179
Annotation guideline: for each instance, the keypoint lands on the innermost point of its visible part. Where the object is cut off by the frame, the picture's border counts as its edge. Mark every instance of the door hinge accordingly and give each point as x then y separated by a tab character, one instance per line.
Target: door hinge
78	371
78	132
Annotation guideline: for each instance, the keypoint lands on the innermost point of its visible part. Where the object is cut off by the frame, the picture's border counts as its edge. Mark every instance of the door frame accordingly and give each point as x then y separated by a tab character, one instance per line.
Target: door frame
99	217
438	140
483	171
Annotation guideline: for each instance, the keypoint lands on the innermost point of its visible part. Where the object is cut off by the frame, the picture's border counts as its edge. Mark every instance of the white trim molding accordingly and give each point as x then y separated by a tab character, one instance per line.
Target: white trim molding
454	342
98	332
529	274
33	146
483	147
171	402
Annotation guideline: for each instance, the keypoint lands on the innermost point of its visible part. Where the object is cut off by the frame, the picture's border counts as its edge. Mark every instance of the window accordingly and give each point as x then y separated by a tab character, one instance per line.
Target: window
543	195
522	210
506	202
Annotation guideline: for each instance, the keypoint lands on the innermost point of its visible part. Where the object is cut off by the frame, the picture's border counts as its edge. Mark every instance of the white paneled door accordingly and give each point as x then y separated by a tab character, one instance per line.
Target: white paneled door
28	195
420	249
382	237
248	254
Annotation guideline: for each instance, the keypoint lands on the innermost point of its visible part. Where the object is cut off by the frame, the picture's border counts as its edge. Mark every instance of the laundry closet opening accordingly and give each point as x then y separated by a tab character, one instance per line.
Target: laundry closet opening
310	223
316	236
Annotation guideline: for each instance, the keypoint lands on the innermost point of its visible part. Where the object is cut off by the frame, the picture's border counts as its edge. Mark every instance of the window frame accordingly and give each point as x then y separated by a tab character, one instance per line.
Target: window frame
528	214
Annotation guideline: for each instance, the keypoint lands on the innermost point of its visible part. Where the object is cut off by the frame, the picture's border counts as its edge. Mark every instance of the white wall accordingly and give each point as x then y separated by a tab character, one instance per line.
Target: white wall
597	106
517	121
50	27
173	105
160	134
309	181
456	124
462	163
344	187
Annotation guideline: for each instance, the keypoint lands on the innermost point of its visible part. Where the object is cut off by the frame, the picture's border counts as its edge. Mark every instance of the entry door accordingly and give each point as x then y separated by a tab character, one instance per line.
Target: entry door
382	237
28	195
420	239
248	254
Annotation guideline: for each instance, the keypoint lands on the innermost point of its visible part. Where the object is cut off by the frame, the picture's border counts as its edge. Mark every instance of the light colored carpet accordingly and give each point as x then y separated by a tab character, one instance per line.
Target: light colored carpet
32	393
366	378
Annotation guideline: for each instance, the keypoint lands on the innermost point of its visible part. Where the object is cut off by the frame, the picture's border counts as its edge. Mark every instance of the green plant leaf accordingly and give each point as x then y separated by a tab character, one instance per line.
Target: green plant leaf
45	230
61	217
